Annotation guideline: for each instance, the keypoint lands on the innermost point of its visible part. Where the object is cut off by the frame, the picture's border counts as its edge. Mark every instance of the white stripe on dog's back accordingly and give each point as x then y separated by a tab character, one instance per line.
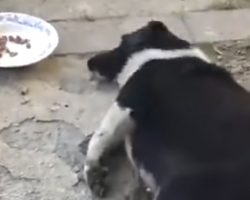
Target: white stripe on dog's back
140	58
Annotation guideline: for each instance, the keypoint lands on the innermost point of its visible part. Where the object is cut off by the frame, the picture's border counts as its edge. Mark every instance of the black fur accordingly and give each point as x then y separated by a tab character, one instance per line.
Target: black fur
193	120
193	124
154	35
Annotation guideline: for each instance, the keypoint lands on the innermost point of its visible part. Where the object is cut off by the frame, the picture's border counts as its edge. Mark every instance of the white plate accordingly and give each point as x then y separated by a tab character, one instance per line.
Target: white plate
43	39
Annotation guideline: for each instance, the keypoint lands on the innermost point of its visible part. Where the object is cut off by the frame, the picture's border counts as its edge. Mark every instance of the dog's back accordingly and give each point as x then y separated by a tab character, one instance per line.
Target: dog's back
229	183
194	120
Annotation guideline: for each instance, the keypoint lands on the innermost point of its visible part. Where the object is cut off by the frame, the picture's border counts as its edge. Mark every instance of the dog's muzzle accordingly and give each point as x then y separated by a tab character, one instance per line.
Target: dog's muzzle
95	76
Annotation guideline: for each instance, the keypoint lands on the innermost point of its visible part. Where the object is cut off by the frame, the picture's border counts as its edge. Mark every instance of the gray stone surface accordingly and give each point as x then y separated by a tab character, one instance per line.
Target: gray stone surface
98	9
40	154
49	109
83	37
59	89
214	26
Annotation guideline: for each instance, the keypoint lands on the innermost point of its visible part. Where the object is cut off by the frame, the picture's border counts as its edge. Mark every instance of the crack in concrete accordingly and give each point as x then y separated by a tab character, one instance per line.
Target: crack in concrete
77	152
18	178
85	19
75	148
12	124
57	121
20	123
78	54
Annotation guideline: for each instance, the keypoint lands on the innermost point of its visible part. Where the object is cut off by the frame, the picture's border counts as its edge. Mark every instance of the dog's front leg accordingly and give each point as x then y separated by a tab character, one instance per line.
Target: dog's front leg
116	123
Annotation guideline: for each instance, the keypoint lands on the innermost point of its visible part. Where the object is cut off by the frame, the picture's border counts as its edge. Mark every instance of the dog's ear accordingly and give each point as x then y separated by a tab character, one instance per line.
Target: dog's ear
157	26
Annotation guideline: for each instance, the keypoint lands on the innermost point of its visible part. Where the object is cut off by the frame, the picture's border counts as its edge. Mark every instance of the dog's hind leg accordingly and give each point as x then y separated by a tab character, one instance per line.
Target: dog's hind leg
116	123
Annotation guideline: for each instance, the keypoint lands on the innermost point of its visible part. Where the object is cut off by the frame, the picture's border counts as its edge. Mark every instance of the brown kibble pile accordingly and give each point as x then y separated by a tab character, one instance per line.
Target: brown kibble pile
17	40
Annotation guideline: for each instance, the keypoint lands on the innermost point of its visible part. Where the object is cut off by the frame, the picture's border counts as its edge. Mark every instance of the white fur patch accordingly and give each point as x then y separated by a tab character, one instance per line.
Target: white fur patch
148	179
116	123
129	150
140	58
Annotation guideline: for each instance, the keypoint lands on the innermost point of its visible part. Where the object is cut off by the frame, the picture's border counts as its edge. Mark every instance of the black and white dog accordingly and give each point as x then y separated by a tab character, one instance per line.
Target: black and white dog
184	120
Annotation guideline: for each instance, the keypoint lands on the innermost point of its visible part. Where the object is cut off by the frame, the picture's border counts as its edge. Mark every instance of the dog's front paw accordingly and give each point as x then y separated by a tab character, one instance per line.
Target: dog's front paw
95	179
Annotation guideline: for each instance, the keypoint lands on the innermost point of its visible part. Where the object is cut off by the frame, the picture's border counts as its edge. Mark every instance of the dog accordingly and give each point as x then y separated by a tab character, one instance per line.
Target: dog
184	120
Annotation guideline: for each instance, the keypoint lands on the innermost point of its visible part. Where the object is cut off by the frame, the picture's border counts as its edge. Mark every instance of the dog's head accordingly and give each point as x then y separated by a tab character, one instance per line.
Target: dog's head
155	35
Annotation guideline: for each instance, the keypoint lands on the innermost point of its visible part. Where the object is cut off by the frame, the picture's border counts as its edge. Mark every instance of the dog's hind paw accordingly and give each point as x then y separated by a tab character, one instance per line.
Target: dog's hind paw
95	179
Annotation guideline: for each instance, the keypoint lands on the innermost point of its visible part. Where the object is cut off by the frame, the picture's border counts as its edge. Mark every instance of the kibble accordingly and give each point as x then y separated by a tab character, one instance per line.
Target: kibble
13	54
17	40
11	38
28	46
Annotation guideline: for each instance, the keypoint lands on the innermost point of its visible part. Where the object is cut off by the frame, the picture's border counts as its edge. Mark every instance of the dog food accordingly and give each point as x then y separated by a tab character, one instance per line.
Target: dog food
14	39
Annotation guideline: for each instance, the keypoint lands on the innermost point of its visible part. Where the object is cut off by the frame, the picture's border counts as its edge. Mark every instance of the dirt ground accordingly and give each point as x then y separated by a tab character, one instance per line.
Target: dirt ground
228	4
233	56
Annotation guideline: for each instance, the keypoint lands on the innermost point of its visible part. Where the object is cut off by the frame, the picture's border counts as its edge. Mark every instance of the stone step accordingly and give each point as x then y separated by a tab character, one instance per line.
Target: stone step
81	37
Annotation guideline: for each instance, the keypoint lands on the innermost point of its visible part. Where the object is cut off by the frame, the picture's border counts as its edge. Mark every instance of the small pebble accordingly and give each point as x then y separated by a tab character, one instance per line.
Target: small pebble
17	130
239	81
51	165
219	57
16	124
87	12
76	169
31	191
24	91
28	45
13	54
54	108
36	149
25	101
41	162
242	58
66	105
89	17
236	69
240	52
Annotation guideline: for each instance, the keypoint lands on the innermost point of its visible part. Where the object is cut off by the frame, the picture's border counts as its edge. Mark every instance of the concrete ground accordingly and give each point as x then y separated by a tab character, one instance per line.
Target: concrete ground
48	109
